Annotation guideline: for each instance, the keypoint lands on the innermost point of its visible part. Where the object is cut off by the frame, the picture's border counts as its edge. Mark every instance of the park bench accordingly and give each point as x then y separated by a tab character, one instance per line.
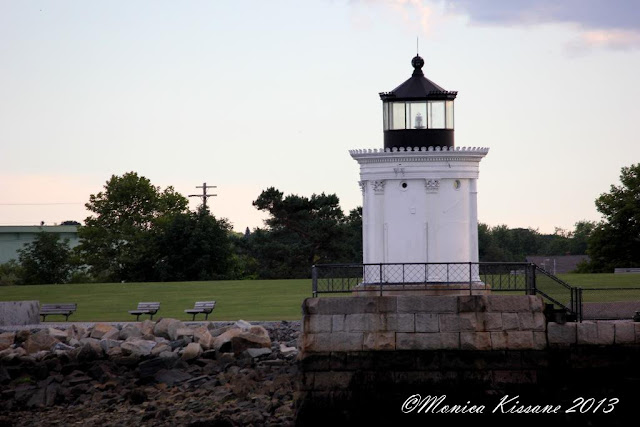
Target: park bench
626	270
149	308
66	309
204	307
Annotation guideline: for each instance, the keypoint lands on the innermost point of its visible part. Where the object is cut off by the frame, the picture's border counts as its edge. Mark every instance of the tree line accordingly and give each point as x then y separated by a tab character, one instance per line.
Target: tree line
138	232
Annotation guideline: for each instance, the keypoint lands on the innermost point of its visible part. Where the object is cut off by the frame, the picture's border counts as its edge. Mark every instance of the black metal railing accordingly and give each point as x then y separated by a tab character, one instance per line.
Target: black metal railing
508	277
340	278
558	292
473	277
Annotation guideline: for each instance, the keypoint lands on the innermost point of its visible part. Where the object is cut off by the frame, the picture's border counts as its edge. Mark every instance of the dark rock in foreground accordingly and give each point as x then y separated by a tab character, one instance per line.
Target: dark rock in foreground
133	376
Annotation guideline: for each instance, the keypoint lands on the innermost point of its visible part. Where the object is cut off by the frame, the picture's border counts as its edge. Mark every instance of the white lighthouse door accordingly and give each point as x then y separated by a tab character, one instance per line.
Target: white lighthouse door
405	232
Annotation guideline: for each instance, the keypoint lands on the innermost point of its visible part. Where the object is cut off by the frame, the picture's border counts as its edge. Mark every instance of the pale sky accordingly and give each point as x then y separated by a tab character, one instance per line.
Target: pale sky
250	94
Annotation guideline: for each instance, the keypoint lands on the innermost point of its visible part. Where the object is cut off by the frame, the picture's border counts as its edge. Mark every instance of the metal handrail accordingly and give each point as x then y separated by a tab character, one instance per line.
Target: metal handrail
553	277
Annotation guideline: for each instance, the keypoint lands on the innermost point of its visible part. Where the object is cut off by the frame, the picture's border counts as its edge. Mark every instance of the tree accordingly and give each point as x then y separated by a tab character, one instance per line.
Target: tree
277	254
10	273
580	237
115	240
615	241
303	231
192	246
45	260
351	247
314	221
502	244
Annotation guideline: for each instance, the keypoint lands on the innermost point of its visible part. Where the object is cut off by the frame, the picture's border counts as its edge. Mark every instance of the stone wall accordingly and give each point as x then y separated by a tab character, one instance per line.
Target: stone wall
362	357
607	333
19	313
479	322
370	387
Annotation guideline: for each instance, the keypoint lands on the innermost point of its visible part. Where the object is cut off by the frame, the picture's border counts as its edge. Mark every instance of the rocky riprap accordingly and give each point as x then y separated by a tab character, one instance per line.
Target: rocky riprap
150	373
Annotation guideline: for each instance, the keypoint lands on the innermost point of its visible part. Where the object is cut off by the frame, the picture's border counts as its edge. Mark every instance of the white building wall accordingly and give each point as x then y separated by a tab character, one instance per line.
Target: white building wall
432	218
13	238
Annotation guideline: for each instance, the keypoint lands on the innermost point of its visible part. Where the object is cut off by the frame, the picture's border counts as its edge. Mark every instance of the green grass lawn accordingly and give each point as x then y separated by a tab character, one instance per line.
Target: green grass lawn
585	281
249	299
241	299
604	280
611	280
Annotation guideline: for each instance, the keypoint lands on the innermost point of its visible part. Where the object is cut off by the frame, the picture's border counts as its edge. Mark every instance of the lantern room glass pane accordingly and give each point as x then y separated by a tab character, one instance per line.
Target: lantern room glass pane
407	117
436	115
417	115
397	115
449	107
385	116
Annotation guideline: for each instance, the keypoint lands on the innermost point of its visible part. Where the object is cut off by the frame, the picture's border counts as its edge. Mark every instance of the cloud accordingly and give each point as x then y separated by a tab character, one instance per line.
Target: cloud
415	12
613	24
416	15
614	39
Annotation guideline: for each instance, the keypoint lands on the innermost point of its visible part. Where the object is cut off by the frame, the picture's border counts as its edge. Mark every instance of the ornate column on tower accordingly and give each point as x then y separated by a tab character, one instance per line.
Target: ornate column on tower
420	190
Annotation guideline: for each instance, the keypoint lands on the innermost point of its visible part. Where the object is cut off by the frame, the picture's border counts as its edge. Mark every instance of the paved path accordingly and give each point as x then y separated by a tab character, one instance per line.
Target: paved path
85	325
623	310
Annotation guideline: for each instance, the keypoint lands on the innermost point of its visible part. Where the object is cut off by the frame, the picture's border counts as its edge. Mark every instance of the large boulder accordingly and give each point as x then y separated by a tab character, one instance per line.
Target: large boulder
202	336
130	330
107	344
185	333
138	347
58	334
19	313
90	350
104	331
288	351
10	354
75	332
114	352
150	367
256	353
7	339
62	347
171	377
174	328
167	328
215	332
22	336
239	339
147	327
242	324
159	348
191	351
38	342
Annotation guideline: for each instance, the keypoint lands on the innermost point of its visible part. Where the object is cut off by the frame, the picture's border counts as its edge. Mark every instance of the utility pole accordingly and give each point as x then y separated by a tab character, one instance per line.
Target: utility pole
204	194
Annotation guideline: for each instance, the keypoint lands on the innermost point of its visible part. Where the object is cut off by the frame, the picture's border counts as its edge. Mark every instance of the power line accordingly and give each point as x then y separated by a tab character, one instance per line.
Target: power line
39	204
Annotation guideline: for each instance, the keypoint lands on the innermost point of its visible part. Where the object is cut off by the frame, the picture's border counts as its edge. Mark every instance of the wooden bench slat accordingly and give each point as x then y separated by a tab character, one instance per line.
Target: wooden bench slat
149	308
61	306
65	309
204	307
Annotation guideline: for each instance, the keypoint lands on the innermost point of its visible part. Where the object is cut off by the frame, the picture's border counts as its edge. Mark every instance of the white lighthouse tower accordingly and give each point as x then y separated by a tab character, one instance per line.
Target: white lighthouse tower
420	190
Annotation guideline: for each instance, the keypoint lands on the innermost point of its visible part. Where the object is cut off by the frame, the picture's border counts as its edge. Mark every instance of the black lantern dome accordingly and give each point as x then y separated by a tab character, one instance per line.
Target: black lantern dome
418	113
